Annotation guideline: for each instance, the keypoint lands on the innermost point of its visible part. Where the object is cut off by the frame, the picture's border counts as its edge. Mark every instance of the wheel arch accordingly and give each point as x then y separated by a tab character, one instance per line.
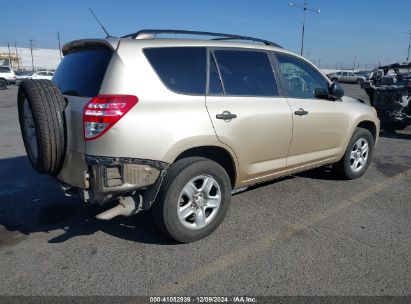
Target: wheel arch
370	126
215	153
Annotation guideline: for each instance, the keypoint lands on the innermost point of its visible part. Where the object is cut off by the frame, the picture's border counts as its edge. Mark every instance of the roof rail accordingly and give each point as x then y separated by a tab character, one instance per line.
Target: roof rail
151	34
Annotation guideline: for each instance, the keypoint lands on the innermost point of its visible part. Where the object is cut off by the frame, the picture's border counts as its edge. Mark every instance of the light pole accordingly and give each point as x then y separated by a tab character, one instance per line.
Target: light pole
58	38
305	8
409	44
17	55
31	52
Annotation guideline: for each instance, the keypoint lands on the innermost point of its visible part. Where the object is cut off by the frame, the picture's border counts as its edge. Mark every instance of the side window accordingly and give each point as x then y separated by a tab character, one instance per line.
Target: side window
246	73
214	86
182	69
300	78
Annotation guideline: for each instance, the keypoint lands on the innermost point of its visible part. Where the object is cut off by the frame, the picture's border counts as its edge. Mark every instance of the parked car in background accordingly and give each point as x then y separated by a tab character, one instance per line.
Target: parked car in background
365	74
34	75
348	77
7	76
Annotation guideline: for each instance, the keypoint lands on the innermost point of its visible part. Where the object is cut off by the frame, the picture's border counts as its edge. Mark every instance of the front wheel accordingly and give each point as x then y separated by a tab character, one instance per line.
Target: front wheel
193	200
358	155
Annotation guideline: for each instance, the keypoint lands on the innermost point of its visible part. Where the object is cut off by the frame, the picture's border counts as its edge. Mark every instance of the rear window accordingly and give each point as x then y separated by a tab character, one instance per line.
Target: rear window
181	69
81	73
5	69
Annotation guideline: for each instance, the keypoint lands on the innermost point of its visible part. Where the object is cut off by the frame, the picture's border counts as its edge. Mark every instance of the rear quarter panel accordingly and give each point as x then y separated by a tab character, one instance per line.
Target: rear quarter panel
162	125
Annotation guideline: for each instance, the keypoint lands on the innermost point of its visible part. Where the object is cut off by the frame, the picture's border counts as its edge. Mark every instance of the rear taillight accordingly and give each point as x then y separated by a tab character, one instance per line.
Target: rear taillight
103	112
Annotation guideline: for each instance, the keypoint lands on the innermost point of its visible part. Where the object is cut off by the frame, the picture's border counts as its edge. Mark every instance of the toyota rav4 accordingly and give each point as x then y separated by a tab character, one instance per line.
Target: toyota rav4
178	125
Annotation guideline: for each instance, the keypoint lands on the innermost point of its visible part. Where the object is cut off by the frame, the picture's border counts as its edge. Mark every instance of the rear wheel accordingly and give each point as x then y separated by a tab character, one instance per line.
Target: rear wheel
193	200
358	155
3	84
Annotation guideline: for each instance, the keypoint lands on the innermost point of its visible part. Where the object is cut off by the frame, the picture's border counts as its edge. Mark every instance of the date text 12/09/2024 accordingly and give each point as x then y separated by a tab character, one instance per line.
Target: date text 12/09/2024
176	299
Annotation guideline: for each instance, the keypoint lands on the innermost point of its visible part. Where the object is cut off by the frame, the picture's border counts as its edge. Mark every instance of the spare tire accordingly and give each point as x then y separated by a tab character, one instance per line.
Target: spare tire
42	124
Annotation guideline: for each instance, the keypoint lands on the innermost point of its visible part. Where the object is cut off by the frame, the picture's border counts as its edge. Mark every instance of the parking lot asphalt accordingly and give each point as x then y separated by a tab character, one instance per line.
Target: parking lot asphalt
308	234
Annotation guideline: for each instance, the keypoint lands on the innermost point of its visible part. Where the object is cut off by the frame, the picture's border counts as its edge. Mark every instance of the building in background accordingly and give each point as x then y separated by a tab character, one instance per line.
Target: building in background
43	59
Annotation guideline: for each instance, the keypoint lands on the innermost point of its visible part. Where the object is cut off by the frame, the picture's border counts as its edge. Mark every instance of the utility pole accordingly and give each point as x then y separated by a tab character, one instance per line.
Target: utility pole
17	55
319	63
409	44
305	8
31	51
58	37
10	63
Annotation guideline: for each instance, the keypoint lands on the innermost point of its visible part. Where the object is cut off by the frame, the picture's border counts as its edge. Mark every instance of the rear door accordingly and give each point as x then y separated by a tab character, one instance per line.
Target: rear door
247	111
319	125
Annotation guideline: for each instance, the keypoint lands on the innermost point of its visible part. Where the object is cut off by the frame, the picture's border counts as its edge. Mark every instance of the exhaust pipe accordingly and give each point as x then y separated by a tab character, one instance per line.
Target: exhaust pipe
126	207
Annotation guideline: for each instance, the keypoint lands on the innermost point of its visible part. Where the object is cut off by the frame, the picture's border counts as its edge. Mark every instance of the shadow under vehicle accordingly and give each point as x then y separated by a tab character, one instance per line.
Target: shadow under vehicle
389	90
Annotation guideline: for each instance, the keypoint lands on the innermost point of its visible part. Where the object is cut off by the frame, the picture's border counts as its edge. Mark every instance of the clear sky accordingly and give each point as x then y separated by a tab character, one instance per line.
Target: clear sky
367	31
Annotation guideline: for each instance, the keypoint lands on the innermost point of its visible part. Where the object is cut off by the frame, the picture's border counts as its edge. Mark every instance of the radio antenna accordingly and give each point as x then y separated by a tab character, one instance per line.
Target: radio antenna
102	26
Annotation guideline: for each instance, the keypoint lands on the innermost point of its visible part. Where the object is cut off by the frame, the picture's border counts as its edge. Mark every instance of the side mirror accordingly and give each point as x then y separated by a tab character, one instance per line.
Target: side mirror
336	91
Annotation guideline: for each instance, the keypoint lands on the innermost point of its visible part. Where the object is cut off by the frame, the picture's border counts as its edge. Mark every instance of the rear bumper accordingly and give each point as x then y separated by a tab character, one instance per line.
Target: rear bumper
100	179
111	177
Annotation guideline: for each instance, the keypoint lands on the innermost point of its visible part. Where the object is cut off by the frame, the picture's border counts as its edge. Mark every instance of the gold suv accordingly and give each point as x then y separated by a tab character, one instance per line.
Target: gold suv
177	125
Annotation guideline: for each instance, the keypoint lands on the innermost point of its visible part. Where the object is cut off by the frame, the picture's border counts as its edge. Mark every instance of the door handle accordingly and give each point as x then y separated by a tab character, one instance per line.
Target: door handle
301	112
226	115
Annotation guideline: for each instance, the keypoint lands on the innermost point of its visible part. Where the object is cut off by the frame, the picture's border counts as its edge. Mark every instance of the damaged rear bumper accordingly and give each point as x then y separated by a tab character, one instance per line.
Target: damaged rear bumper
109	178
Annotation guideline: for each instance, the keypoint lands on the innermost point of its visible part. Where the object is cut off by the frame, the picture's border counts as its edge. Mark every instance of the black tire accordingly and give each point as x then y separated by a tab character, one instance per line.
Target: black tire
3	84
343	167
164	210
360	81
46	105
